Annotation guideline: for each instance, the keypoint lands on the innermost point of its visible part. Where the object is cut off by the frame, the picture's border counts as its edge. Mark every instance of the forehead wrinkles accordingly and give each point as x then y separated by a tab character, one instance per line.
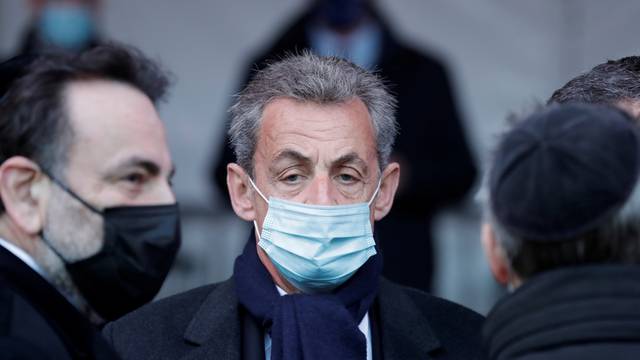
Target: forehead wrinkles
287	123
314	121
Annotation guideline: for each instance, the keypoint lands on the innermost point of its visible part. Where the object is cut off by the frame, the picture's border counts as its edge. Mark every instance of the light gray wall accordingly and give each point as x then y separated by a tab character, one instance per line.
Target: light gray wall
503	56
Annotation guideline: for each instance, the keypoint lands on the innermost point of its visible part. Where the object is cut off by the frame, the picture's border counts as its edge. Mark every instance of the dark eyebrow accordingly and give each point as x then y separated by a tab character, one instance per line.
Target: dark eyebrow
289	154
149	166
351	158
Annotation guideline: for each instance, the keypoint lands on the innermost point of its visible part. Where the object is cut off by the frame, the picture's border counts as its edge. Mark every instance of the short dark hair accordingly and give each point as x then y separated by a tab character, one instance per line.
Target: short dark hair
33	122
607	83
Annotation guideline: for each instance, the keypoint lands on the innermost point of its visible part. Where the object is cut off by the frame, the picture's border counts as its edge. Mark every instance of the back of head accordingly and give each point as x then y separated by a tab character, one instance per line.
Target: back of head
563	189
609	83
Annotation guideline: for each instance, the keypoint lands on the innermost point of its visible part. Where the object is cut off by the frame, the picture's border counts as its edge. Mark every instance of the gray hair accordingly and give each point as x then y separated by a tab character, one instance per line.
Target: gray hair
608	83
311	78
615	240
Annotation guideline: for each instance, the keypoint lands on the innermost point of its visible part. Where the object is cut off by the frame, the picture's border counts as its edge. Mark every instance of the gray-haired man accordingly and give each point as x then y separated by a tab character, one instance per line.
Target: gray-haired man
312	137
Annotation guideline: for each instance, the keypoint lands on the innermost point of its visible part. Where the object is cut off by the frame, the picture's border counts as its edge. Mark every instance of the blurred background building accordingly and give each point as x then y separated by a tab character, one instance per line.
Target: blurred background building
502	56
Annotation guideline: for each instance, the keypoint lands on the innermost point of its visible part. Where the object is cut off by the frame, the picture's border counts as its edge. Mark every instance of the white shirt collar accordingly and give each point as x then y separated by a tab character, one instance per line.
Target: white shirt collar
281	291
28	259
22	255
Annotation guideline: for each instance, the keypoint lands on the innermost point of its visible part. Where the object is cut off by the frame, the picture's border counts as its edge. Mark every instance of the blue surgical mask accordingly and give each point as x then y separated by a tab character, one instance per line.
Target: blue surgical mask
66	26
316	247
362	45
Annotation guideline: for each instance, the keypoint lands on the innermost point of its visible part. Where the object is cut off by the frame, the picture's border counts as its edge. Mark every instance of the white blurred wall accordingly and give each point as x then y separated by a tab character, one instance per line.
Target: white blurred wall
503	56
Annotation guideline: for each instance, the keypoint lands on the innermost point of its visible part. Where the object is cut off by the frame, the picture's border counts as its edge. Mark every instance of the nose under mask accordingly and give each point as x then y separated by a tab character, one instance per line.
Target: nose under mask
316	248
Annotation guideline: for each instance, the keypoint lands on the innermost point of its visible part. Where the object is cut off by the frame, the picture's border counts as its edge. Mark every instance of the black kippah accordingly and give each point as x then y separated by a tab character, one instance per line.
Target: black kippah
563	170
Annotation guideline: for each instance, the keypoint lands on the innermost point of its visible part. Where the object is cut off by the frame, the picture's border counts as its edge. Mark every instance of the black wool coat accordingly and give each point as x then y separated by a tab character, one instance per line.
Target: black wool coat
207	323
586	313
37	322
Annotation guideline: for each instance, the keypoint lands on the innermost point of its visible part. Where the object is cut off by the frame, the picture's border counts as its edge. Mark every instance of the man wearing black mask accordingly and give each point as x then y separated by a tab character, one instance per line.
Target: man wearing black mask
89	223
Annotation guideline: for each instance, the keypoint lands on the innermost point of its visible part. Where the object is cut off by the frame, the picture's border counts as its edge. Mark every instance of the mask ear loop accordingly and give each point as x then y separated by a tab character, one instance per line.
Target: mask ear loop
52	248
258	190
255	224
72	193
375	193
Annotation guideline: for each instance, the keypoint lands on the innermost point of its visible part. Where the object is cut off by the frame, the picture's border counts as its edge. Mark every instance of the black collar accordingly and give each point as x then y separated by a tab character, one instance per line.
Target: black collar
574	305
215	327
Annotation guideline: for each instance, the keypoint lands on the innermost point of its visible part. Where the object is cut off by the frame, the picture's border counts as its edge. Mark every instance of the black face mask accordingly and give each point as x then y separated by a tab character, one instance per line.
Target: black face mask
140	244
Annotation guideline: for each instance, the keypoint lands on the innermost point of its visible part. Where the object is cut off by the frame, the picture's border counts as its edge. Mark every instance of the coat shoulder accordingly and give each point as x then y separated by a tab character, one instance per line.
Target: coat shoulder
456	328
156	329
441	309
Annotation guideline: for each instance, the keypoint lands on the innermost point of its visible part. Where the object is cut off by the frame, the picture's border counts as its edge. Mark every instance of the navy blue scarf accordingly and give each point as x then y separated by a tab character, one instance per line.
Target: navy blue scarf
310	327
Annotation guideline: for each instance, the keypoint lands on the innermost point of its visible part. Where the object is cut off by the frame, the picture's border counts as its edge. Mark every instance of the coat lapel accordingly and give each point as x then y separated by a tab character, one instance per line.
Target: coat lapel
67	325
215	328
405	332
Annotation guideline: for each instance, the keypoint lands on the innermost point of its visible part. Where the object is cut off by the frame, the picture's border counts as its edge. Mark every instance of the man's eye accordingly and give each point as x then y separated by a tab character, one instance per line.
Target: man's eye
135	178
347	179
292	179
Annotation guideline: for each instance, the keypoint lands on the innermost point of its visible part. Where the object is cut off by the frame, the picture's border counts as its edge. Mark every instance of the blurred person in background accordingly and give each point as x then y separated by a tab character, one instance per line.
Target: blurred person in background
313	138
61	26
438	168
563	233
89	224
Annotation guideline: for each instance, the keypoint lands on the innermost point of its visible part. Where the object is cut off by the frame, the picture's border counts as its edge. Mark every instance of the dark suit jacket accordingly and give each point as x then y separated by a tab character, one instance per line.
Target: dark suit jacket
206	323
37	322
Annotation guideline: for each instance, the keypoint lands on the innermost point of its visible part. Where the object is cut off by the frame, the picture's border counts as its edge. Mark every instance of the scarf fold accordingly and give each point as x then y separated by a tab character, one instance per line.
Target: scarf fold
310	327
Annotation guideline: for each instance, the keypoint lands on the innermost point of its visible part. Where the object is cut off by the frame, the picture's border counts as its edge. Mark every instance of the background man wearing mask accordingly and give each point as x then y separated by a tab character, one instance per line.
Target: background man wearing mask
61	26
438	169
89	225
563	231
312	137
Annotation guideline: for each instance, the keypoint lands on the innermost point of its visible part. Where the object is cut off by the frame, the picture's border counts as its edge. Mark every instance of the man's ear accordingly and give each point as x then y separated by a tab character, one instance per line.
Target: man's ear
388	187
22	189
495	254
239	193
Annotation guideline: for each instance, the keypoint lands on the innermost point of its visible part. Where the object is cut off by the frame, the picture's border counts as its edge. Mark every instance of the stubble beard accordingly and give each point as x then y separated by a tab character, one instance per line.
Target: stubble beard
76	233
